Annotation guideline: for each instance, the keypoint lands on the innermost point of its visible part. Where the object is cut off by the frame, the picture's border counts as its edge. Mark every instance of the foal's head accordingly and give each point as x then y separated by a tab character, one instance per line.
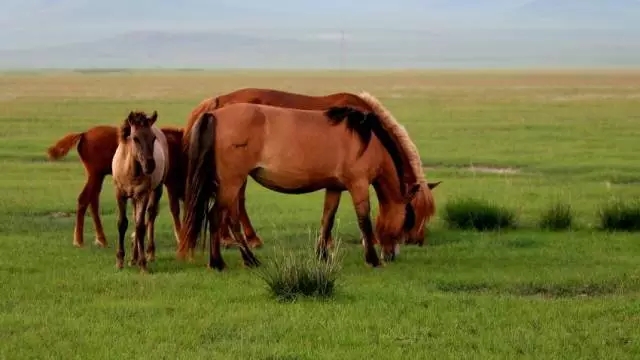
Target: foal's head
137	132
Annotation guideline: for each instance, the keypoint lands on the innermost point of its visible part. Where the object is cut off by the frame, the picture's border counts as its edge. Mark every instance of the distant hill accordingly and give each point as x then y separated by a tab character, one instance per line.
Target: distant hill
362	49
285	34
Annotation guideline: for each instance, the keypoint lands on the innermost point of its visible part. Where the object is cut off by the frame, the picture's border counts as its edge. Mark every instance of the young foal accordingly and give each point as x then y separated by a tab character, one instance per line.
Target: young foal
281	150
140	167
96	147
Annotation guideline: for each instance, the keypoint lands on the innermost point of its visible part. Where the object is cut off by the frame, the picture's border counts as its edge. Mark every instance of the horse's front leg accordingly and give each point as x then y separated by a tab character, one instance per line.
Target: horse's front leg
141	204
152	213
134	246
123	223
331	203
360	195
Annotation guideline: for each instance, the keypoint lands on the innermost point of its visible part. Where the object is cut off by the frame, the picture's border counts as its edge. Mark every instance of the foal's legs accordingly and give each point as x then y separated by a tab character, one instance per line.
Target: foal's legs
101	239
360	196
331	203
134	246
123	223
152	213
90	192
141	204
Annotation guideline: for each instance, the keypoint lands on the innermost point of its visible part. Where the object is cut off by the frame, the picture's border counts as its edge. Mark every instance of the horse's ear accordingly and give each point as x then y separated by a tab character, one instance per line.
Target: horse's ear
125	128
413	190
433	185
130	118
153	118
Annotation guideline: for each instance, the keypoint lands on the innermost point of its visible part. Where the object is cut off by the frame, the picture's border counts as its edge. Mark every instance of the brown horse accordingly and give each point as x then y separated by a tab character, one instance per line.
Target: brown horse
423	202
96	147
140	166
281	150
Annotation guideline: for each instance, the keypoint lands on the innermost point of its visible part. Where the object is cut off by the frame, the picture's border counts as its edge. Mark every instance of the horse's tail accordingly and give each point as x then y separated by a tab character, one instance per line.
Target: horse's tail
208	104
200	180
61	148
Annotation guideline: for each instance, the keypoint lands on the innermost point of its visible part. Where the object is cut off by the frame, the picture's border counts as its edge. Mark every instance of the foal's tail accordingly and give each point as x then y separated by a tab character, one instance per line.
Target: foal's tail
61	148
200	180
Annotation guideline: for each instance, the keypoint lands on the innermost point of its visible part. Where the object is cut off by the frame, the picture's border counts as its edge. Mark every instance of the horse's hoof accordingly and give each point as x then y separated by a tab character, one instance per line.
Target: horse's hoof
101	243
373	259
216	264
78	244
252	263
119	264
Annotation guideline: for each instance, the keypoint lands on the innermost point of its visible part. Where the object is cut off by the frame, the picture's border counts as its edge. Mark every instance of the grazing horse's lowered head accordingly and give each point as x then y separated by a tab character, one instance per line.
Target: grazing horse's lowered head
137	132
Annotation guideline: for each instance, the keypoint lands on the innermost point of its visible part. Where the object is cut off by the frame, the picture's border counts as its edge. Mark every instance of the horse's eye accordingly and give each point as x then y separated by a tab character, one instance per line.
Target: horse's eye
136	140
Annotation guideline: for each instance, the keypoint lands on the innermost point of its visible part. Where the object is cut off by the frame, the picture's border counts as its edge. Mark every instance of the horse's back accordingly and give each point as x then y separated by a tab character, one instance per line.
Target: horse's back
97	148
291	100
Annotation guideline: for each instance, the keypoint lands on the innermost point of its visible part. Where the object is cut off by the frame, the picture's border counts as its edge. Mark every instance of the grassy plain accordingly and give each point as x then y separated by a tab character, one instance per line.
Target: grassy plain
569	136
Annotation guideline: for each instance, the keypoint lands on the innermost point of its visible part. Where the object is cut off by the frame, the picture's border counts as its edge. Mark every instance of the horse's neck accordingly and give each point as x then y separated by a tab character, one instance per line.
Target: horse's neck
387	184
124	158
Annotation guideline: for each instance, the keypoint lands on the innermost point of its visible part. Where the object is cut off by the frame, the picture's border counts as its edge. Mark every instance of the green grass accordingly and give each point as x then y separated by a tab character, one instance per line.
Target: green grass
482	215
518	293
559	216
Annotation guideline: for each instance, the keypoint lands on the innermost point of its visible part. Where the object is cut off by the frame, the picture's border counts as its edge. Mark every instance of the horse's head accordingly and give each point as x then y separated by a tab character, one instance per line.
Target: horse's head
424	207
137	130
394	220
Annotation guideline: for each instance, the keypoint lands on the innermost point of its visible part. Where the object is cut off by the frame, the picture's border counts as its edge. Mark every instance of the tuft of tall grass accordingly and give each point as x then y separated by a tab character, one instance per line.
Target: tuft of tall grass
559	216
482	215
291	275
618	214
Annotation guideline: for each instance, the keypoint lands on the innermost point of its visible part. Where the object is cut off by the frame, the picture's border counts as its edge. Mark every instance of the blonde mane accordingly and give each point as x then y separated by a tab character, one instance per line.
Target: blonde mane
398	132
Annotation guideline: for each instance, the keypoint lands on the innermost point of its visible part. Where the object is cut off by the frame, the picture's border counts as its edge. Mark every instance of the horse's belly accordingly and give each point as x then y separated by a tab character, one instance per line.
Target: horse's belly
292	182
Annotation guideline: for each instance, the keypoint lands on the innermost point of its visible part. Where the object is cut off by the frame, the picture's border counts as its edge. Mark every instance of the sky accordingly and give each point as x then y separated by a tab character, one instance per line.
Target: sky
37	23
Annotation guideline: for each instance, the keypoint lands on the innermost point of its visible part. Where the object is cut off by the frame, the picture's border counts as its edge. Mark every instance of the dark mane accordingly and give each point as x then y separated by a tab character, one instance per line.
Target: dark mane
124	131
364	124
356	122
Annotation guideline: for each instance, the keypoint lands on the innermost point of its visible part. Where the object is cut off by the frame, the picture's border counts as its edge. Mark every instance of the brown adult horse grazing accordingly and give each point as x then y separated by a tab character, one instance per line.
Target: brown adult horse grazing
423	203
96	147
140	166
281	150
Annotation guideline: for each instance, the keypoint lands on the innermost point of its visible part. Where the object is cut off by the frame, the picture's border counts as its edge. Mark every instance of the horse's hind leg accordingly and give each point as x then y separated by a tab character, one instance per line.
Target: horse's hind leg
331	203
360	197
227	198
84	199
101	239
123	223
174	208
152	213
249	232
216	217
